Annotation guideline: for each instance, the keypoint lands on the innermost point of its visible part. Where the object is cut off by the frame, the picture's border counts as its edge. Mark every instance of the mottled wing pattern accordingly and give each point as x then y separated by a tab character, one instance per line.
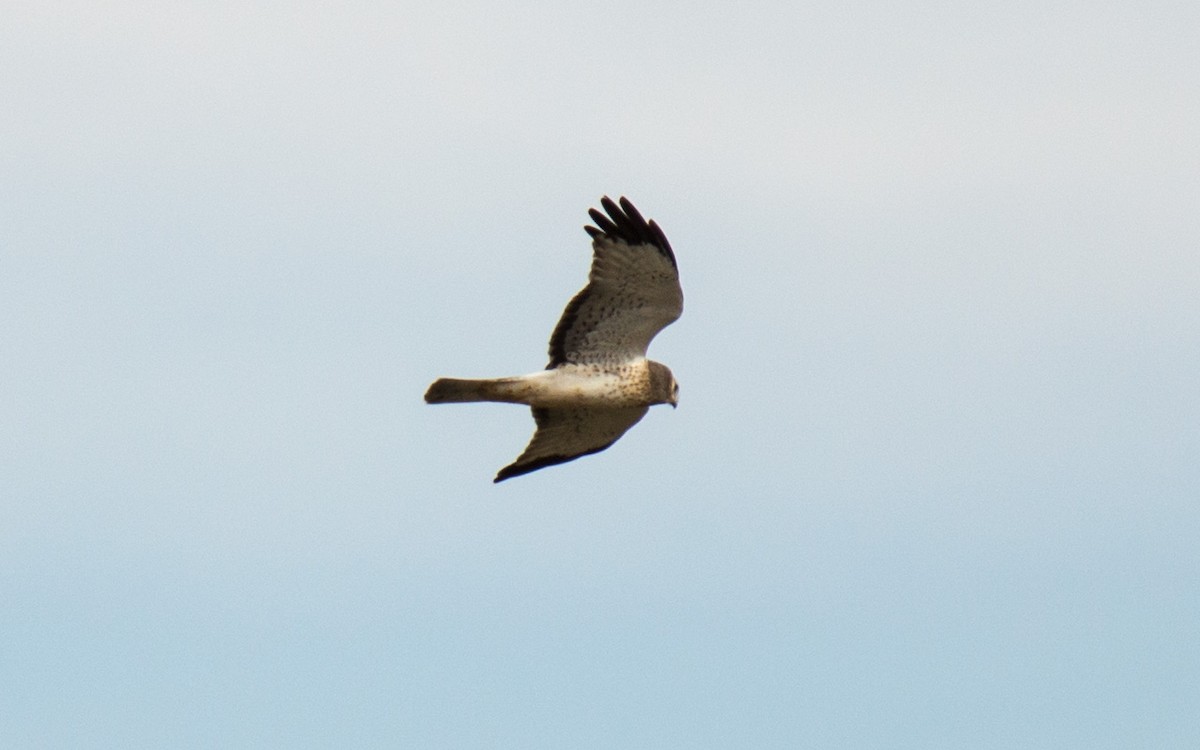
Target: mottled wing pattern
564	434
632	293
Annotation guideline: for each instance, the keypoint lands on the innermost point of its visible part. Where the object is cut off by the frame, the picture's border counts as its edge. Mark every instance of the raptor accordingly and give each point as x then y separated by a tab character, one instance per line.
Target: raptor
599	382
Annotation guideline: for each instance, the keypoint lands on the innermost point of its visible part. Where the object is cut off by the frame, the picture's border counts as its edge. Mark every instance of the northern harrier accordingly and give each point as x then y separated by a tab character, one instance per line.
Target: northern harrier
598	383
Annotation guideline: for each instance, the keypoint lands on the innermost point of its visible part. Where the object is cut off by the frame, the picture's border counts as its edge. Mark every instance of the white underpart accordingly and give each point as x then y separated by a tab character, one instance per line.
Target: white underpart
570	385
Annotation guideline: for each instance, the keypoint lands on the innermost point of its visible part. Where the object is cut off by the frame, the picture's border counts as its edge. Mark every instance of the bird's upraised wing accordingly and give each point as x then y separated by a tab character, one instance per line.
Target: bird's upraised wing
633	291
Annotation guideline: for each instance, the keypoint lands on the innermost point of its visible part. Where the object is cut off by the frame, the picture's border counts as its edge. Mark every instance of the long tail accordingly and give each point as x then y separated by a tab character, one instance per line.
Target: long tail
454	391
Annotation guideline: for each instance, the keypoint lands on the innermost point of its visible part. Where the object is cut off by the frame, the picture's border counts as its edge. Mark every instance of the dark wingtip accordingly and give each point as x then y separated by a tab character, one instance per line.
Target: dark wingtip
626	224
517	469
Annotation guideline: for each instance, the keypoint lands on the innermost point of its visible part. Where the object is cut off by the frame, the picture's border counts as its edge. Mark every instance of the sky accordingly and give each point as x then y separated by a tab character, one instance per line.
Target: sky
933	481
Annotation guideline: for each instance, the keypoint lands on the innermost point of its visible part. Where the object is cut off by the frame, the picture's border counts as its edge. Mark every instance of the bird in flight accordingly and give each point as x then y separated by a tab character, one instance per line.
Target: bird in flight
598	383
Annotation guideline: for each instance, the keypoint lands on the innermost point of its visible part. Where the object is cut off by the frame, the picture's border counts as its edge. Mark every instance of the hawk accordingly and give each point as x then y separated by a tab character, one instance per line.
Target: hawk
598	383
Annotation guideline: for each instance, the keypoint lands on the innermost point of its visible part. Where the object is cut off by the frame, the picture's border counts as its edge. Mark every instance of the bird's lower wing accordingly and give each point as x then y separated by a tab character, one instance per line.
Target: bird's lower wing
565	434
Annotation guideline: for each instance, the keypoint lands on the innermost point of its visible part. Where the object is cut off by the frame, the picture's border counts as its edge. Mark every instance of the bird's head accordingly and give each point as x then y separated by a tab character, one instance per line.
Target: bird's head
664	389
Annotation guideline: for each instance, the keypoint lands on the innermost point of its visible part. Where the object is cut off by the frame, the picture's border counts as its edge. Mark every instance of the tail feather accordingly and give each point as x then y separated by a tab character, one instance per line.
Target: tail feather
455	390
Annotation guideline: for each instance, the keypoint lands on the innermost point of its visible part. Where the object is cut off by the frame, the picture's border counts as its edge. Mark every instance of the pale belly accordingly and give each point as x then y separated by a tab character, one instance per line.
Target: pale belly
569	386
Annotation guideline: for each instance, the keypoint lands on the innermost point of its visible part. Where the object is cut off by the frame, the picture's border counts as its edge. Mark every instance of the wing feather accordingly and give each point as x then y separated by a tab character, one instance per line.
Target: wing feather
565	434
633	291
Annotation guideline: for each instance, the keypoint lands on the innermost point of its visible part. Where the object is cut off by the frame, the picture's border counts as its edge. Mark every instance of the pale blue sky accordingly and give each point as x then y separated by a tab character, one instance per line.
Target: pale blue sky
934	477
